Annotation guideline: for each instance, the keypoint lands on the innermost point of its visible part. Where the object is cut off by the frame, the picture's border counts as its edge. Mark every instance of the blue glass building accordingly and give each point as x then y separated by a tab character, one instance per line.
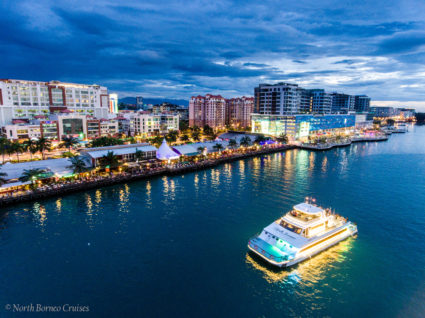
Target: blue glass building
298	126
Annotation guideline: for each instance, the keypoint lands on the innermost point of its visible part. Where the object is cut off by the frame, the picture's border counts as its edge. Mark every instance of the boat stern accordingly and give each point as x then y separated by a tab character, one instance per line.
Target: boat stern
269	253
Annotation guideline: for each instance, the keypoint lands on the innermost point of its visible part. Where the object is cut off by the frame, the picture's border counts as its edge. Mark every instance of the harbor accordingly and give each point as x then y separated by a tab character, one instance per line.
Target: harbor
68	182
183	238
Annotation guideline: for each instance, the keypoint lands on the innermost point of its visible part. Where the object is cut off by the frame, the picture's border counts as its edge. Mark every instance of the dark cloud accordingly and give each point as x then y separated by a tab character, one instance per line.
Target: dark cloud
175	49
402	43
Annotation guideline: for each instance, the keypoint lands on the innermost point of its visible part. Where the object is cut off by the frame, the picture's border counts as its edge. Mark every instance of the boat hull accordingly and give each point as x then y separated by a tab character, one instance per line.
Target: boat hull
305	256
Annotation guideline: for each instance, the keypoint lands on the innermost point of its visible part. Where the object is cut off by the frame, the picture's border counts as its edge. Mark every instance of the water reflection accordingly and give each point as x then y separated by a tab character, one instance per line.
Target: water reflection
59	205
148	194
98	196
40	213
89	205
124	198
308	272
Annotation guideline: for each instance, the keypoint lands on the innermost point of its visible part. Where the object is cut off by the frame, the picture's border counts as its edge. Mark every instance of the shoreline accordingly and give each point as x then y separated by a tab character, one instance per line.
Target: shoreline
79	186
108	181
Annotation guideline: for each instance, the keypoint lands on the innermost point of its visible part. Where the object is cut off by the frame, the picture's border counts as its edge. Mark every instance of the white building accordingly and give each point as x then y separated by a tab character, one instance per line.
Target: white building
148	124
108	127
20	99
21	131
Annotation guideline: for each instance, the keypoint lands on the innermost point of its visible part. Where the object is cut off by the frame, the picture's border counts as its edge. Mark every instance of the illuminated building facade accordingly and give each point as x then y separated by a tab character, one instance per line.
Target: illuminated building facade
298	126
113	103
25	100
149	124
207	110
238	111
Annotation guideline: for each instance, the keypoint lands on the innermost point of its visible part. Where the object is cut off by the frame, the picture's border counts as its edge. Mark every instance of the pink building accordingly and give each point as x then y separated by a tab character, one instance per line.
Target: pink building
239	111
217	112
207	110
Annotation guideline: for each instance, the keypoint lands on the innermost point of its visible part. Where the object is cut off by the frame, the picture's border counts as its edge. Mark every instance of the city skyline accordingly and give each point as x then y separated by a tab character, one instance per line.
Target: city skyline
161	50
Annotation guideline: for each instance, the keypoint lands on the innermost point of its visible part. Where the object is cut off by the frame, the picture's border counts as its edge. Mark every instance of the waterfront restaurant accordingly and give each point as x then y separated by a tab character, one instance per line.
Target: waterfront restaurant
124	153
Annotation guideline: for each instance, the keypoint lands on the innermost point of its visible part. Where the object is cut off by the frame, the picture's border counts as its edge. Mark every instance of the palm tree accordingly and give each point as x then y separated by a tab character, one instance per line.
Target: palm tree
69	142
196	129
30	146
43	144
232	143
200	150
2	180
208	130
109	160
218	147
195	135
157	141
4	147
139	155
245	141
77	164
184	137
31	175
172	136
17	148
283	138
259	139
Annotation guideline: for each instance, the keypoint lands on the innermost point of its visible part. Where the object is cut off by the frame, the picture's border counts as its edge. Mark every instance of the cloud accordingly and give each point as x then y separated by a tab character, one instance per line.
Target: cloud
402	42
166	48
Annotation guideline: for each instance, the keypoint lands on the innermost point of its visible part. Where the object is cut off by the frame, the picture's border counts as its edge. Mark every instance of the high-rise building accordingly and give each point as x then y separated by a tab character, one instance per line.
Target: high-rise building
342	103
277	99
306	101
321	101
113	103
21	99
139	102
288	99
362	103
207	110
238	111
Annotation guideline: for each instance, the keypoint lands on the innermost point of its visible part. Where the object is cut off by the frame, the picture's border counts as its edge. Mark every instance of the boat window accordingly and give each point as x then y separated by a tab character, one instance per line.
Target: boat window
290	227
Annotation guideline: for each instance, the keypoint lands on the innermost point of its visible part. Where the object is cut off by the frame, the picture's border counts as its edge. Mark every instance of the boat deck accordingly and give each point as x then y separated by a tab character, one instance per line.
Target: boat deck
267	250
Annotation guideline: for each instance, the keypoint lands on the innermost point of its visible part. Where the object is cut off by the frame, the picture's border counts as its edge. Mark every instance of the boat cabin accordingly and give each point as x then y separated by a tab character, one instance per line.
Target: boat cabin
305	219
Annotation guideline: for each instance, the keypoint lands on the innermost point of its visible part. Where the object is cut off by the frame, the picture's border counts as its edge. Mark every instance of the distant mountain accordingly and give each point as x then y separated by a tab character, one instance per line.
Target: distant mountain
154	101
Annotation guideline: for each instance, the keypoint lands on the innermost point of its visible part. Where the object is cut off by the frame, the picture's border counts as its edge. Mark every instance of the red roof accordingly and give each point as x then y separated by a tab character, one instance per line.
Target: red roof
67	111
19	121
40	116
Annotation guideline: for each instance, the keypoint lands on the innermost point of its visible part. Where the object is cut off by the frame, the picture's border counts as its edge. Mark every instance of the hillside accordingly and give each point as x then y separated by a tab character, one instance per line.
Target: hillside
154	101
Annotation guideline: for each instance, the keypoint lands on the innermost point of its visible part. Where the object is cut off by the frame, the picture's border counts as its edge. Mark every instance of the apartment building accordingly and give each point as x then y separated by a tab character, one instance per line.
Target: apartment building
148	124
22	99
207	110
238	111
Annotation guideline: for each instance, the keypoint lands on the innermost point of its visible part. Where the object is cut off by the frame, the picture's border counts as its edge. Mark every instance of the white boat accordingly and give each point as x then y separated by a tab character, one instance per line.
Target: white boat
400	128
301	233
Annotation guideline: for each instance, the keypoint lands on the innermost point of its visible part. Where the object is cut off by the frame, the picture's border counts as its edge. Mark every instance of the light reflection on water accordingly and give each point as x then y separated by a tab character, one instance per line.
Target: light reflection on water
307	272
148	235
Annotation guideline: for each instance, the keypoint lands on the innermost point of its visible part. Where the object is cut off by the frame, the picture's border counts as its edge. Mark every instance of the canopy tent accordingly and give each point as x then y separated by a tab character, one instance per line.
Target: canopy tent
165	152
186	150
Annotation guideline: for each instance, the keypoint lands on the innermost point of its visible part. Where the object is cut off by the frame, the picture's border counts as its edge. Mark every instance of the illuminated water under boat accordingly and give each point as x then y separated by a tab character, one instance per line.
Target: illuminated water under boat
301	233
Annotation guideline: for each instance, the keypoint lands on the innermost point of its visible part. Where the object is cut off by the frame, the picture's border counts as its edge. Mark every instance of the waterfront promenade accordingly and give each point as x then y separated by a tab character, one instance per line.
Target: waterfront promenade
99	181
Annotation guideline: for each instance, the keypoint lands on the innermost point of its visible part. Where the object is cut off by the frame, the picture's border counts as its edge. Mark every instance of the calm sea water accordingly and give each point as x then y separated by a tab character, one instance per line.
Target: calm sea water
176	247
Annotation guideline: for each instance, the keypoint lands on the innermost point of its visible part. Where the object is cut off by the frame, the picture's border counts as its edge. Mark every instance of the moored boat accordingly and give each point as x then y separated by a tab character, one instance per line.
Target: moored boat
301	233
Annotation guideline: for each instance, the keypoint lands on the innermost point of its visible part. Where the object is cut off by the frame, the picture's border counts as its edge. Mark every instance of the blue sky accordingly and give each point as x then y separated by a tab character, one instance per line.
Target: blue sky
176	49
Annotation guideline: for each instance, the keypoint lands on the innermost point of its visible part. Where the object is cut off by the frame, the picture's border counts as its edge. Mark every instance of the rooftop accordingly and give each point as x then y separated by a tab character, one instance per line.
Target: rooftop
308	208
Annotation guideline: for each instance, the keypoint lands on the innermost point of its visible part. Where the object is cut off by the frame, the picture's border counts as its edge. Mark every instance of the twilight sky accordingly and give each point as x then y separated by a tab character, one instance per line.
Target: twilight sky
176	49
